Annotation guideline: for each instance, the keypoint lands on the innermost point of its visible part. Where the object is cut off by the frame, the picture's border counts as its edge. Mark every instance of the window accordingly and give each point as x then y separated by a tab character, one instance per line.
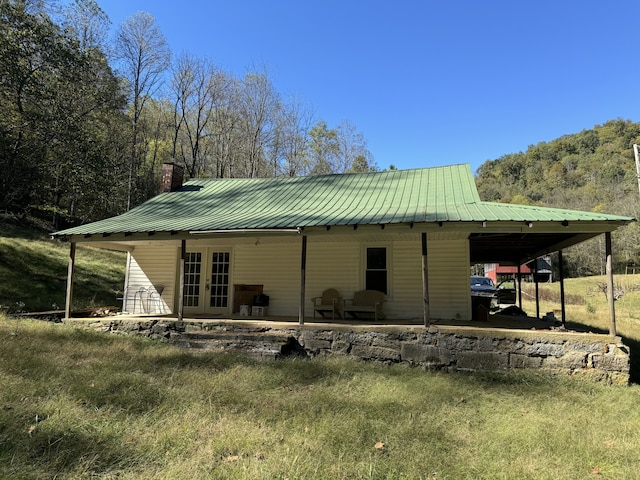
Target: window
376	269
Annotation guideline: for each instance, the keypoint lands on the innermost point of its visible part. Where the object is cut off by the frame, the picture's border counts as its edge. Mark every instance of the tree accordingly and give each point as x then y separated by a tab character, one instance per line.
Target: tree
258	106
144	55
58	103
294	122
87	22
199	90
352	155
323	149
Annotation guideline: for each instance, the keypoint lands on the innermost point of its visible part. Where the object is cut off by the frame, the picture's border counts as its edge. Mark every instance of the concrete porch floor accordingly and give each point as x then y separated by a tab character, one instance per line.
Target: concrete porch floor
494	322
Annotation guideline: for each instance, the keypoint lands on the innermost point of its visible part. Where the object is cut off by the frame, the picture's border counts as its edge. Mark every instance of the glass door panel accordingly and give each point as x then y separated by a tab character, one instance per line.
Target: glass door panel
220	268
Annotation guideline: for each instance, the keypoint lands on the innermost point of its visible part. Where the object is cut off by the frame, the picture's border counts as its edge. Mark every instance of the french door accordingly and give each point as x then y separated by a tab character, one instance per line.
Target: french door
207	280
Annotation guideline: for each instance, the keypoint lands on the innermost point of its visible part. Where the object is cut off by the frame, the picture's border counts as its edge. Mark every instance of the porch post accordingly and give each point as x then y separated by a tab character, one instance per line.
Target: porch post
303	273
425	282
610	298
519	285
183	256
70	272
535	279
562	306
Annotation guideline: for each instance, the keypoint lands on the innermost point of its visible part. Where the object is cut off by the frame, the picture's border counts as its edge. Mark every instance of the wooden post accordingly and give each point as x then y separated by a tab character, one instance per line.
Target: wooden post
610	292
425	282
303	274
183	258
519	285
536	280
562	306
70	272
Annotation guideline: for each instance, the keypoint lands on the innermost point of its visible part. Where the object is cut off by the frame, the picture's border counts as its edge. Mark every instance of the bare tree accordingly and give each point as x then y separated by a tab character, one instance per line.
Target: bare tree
144	56
199	90
294	123
258	105
352	155
88	22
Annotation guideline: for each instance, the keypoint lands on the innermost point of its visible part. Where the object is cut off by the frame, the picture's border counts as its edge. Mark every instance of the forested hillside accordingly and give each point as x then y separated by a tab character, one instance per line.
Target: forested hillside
87	118
593	170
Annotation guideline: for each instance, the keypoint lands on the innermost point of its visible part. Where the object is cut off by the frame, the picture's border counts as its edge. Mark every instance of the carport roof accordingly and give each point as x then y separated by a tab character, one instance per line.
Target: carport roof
427	195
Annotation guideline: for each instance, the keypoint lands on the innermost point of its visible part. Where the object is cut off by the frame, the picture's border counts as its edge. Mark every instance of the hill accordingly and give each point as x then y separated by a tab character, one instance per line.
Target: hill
33	271
593	170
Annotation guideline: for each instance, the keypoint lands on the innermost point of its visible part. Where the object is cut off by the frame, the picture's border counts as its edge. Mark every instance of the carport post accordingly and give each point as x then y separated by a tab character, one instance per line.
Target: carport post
425	282
519	285
535	279
610	298
303	274
70	272
562	308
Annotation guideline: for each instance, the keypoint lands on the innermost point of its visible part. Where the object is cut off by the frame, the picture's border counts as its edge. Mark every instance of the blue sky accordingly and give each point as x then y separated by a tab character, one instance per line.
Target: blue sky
427	82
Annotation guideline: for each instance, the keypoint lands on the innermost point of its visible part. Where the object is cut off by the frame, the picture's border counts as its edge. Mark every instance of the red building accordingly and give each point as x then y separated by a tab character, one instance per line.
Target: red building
498	272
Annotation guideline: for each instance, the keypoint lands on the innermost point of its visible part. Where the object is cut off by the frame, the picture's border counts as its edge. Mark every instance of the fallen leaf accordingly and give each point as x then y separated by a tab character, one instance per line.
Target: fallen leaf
306	429
232	458
609	443
596	471
379	445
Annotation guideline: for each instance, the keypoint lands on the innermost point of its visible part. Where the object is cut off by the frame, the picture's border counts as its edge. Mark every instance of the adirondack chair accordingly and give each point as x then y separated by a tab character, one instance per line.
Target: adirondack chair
330	301
365	301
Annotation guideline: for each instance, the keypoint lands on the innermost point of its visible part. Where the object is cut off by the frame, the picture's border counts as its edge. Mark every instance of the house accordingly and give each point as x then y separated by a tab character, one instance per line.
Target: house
540	270
196	248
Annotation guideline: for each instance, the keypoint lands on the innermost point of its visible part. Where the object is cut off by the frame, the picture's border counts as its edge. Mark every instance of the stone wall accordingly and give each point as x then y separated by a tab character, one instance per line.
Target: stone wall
594	357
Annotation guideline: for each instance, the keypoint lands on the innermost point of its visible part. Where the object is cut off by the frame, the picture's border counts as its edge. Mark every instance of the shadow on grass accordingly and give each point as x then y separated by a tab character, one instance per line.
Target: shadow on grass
50	452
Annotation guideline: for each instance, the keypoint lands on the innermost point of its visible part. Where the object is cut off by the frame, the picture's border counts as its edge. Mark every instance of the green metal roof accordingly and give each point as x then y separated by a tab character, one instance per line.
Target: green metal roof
439	194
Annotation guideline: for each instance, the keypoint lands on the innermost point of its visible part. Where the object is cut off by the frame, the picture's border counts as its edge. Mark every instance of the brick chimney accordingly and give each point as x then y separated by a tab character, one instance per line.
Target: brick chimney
172	176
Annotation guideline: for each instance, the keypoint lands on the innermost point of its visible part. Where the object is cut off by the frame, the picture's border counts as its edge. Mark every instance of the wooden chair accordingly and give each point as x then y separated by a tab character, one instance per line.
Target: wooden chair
365	301
330	301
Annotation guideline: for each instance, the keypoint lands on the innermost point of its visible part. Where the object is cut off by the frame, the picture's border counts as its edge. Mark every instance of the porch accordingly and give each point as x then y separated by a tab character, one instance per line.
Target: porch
500	343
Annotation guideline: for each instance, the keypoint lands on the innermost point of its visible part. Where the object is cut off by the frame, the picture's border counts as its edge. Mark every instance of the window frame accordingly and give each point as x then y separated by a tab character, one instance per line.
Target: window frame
387	269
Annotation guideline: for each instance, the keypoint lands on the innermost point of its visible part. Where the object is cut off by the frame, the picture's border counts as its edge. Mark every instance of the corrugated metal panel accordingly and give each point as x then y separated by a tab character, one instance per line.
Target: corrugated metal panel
440	194
151	265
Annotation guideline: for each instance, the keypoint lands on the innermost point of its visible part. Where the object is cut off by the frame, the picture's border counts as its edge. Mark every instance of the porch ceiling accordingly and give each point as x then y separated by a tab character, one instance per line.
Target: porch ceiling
518	248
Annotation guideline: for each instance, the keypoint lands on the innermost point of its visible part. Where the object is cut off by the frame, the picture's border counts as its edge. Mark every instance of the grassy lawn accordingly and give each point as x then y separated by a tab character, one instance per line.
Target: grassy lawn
79	404
586	304
33	272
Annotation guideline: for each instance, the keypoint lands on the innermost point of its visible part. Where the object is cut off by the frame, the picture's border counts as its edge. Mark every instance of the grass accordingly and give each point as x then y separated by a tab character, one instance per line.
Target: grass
33	272
80	404
589	307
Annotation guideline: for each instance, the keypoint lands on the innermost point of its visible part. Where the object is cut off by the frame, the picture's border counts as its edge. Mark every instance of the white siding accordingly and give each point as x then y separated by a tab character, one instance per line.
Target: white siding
449	286
275	266
153	264
332	262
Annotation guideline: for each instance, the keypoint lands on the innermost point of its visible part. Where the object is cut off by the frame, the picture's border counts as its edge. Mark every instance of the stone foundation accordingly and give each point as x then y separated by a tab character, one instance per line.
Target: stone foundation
595	357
